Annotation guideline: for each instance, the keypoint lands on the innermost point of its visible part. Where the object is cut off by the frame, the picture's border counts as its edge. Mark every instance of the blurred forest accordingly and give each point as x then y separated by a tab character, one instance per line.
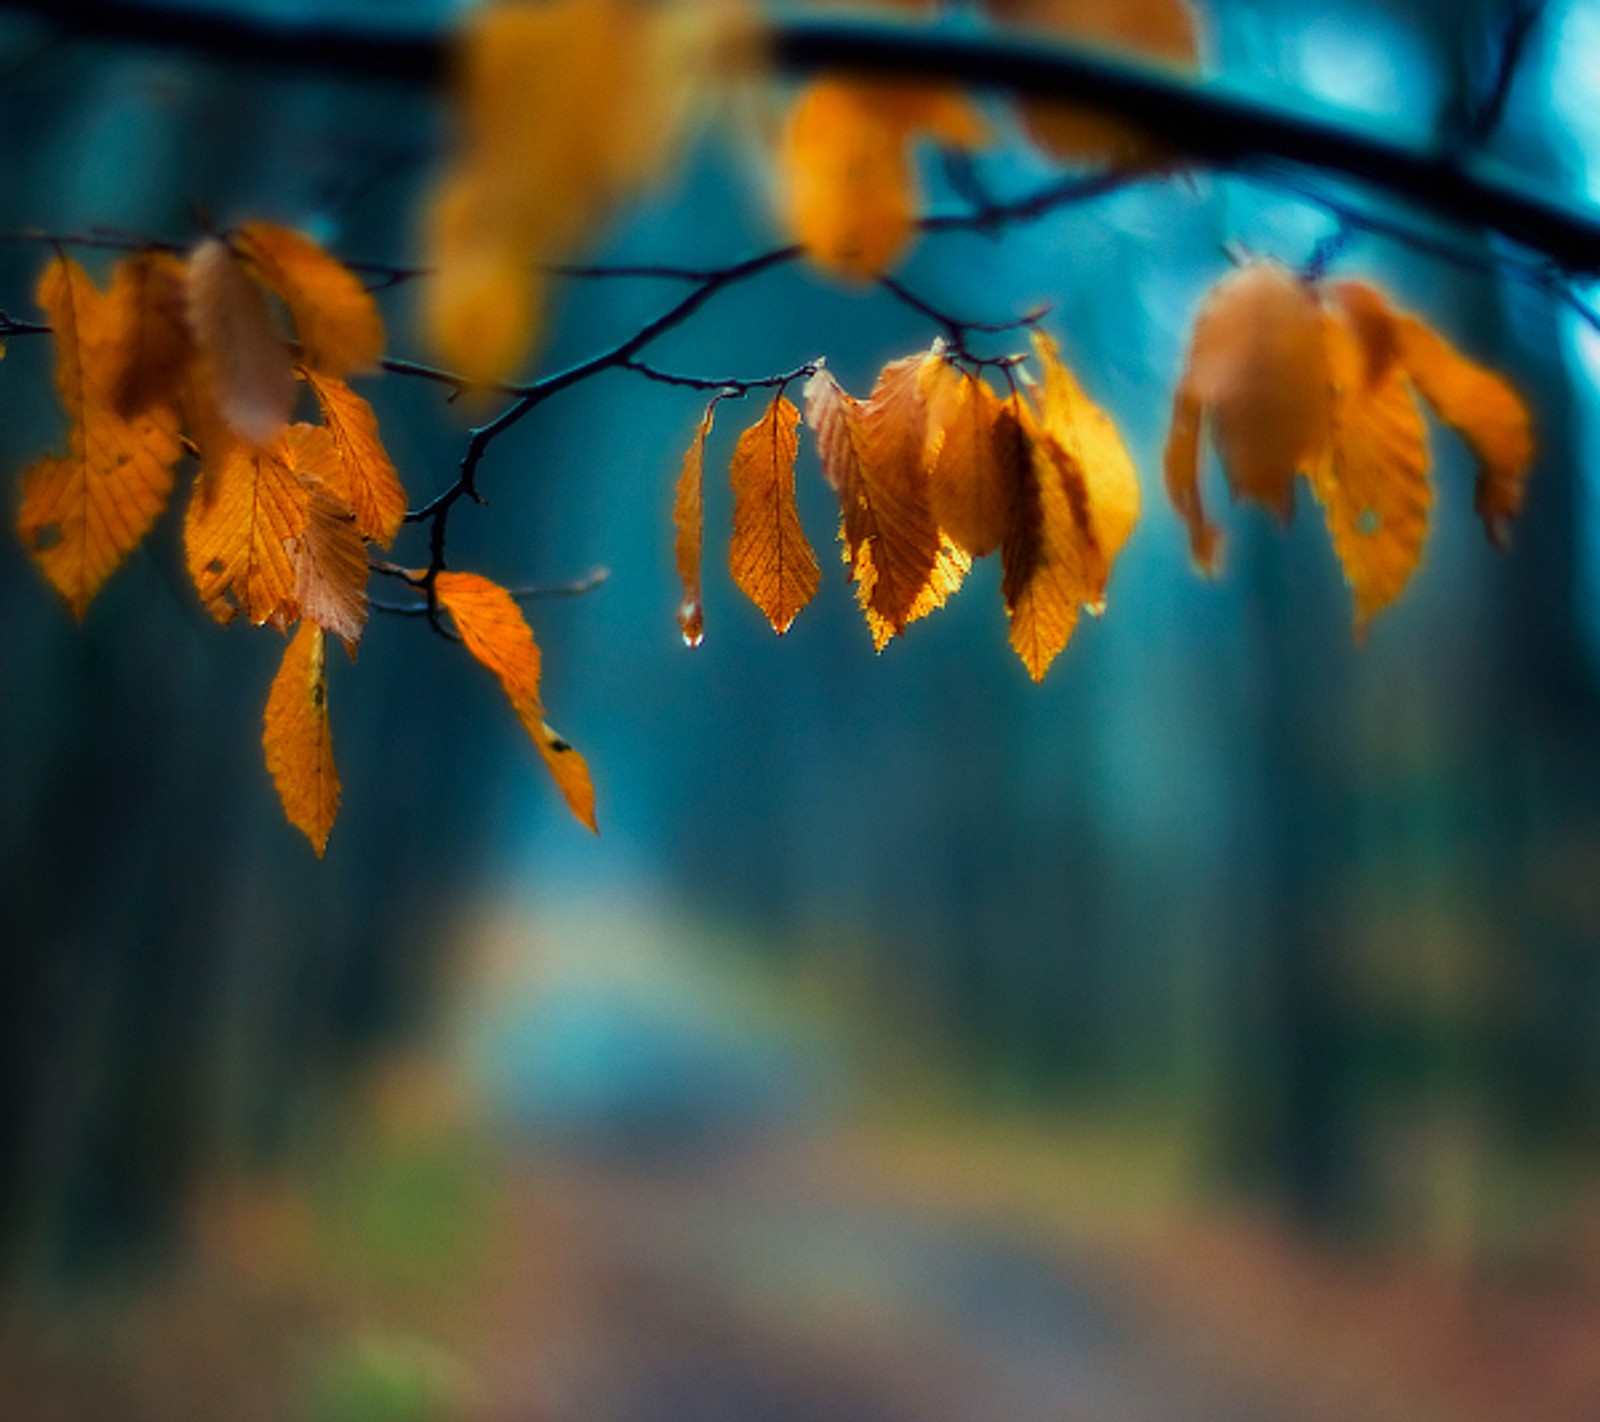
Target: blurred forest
1238	984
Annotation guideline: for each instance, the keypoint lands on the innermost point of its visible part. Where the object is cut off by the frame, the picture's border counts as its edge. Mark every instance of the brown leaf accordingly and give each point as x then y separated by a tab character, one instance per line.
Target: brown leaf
1372	479
1484	410
1182	470
872	453
335	317
247	363
688	518
81	515
494	631
330	562
241	521
970	491
373	487
769	557
297	738
155	349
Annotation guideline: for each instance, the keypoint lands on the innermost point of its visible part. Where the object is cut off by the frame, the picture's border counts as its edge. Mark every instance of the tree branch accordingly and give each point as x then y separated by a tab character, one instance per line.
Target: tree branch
1215	121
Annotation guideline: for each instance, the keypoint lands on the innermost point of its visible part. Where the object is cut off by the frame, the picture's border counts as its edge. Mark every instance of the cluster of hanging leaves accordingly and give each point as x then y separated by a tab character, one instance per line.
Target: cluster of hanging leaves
1328	380
207	357
193	356
933	469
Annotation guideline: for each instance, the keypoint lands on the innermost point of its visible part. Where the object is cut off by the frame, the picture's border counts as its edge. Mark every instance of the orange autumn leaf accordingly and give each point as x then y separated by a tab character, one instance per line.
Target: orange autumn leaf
298	741
1096	455
850	186
1159	30
246	361
567	768
1372	477
330	565
688	518
335	317
872	454
565	106
372	487
155	348
769	557
1045	571
1484	410
970	487
242	519
1257	373
82	514
496	633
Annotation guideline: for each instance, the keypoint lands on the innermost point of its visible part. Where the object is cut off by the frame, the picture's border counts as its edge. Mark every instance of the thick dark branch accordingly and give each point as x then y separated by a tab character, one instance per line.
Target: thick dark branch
1214	121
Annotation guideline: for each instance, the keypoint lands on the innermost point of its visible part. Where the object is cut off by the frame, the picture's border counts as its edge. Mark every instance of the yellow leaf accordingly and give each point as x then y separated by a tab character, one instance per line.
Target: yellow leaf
373	487
1160	30
1258	372
1484	410
298	741
851	190
1045	577
334	316
872	454
330	563
83	514
688	519
494	631
769	557
246	360
970	489
242	519
1372	477
1096	452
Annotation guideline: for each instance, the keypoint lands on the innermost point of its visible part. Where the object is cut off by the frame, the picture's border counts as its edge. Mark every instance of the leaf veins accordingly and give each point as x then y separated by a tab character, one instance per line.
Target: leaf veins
769	557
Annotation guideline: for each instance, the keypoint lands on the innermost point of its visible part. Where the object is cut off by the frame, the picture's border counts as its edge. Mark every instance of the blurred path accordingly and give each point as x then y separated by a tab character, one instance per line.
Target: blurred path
768	1288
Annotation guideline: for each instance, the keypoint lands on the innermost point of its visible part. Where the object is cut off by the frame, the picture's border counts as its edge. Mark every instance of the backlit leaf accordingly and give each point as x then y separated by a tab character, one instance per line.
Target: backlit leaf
1372	476
245	358
850	186
494	631
1096	452
769	557
1044	573
297	738
82	514
872	453
1257	372
688	518
335	317
1484	410
970	492
373	487
241	520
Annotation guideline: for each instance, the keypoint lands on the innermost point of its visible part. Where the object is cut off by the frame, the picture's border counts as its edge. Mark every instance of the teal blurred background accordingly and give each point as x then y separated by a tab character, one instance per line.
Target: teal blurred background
1212	1032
